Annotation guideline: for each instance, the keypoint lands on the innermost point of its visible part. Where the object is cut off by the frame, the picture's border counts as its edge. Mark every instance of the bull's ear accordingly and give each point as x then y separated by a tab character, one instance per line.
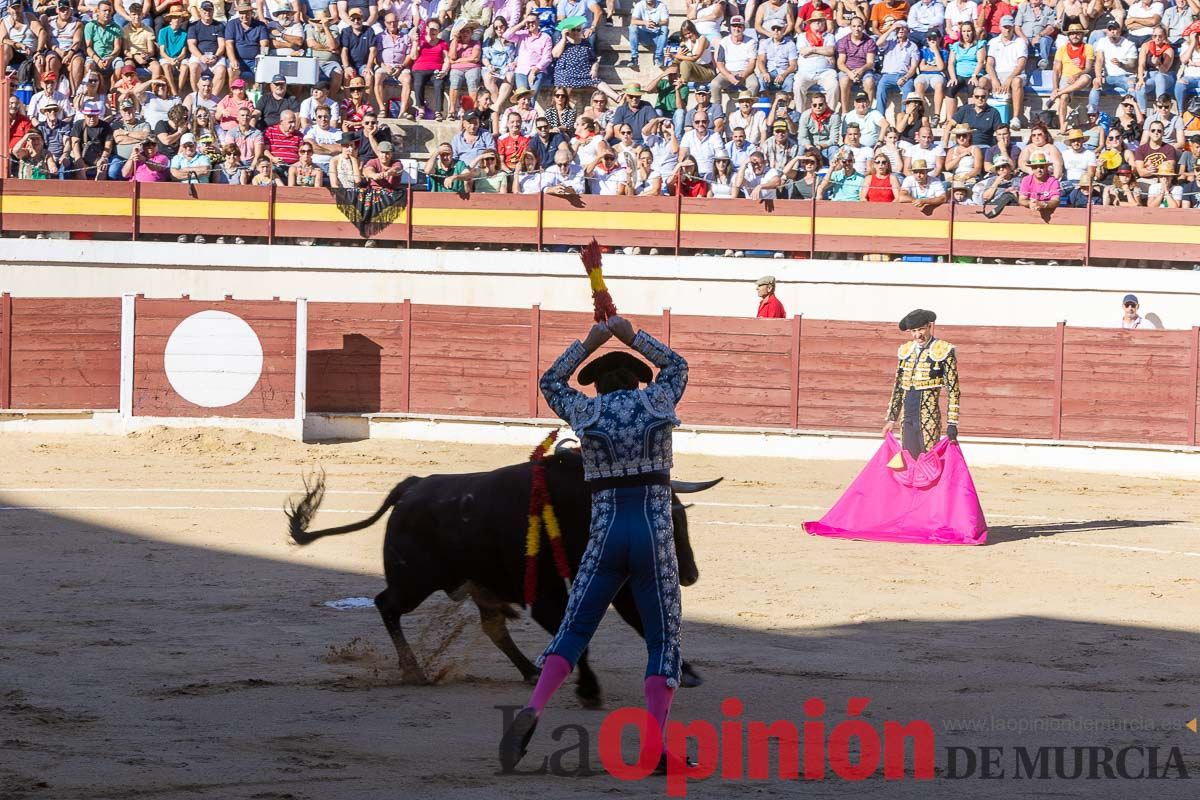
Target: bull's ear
689	487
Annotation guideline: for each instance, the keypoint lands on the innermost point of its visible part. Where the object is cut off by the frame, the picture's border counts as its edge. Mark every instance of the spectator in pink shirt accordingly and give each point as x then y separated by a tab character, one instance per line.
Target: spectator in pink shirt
146	164
509	9
227	109
533	53
1040	192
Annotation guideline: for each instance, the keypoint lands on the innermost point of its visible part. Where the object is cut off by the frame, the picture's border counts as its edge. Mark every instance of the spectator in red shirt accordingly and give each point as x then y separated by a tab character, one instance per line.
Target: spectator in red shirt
769	306
283	142
513	144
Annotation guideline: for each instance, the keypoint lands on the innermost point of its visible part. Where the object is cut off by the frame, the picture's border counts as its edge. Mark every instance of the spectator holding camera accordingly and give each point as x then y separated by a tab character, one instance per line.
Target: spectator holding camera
146	165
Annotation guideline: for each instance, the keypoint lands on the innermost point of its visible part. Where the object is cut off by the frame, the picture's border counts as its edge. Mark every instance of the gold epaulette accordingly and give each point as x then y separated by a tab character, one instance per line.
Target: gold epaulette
940	349
906	349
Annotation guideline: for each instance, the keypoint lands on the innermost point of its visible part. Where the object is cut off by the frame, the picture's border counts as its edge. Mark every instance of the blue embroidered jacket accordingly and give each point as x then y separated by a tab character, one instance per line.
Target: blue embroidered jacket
626	432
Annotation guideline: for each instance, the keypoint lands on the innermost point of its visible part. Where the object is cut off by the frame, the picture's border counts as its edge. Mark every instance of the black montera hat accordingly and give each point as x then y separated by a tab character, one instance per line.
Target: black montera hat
917	318
615	360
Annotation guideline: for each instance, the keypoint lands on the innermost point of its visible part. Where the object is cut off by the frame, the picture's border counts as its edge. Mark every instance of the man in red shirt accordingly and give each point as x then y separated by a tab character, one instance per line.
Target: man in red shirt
769	306
283	142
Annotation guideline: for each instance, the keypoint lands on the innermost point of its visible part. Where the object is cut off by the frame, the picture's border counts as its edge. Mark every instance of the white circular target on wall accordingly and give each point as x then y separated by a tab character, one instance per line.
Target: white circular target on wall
213	359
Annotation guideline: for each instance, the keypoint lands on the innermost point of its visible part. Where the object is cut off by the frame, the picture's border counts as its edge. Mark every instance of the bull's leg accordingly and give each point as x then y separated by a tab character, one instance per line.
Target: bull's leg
410	668
627	608
548	611
492	614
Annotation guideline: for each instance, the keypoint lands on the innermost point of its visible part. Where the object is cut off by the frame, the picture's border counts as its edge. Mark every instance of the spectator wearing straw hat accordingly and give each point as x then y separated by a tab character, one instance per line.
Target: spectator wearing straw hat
1077	161
634	112
769	306
56	134
1040	191
921	190
748	118
246	38
1163	191
1085	190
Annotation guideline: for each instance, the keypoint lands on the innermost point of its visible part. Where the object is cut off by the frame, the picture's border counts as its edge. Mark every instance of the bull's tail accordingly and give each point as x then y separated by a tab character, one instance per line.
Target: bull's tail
300	514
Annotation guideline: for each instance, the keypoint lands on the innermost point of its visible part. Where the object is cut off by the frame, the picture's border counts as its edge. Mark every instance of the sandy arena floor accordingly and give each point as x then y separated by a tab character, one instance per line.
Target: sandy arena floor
159	637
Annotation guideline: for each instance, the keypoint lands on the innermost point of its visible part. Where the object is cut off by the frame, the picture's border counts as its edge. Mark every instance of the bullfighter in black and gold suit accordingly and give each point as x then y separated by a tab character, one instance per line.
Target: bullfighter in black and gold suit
926	365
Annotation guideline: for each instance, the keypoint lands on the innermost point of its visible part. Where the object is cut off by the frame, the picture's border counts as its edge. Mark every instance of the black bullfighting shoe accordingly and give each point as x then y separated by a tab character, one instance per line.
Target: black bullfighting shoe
516	739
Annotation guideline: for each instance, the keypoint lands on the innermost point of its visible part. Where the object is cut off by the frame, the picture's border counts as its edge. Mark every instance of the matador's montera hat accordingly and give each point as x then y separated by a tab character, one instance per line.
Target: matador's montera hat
917	318
615	360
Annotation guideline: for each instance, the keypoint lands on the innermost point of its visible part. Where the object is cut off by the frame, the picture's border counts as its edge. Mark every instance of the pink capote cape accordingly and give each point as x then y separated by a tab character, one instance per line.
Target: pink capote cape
932	500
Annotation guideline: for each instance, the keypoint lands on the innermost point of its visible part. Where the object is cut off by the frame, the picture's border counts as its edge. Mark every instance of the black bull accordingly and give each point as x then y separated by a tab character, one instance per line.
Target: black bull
456	533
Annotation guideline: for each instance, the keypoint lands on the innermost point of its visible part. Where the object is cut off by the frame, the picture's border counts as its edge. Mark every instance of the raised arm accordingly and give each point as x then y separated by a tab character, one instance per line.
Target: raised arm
672	367
562	398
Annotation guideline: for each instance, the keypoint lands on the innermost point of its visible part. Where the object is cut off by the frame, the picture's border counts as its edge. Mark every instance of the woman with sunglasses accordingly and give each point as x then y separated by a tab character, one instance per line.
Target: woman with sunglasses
1130	120
1114	155
881	186
576	65
802	175
499	62
231	172
625	148
721	184
646	180
889	148
89	92
431	64
484	176
963	159
528	176
304	172
561	115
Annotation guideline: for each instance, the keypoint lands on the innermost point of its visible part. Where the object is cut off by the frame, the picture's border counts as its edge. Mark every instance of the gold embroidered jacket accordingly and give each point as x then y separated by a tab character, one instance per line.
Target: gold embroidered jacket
929	369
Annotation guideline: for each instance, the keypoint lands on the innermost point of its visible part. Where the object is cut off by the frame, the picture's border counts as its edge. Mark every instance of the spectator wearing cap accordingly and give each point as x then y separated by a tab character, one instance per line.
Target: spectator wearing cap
814	64
1037	25
649	24
634	112
274	102
926	18
283	142
1007	58
1116	64
354	44
979	116
769	306
1124	190
246	38
390	58
129	132
206	48
991	14
102	38
534	48
1130	319
226	112
715	114
842	182
777	59
203	96
65	44
246	137
127	85
768	13
870	122
781	149
735	61
345	170
856	55
1040	191
999	190
146	164
702	144
472	140
92	144
318	98
1189	166
900	59
48	94
56	133
819	126
921	190
173	51
190	165
324	138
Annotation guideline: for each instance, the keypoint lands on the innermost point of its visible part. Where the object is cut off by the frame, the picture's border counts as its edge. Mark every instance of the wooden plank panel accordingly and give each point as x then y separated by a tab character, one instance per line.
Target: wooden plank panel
65	352
355	357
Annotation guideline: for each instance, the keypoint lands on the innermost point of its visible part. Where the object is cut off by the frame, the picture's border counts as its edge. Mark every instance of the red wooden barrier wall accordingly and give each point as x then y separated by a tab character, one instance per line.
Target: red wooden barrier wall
356	357
274	322
60	353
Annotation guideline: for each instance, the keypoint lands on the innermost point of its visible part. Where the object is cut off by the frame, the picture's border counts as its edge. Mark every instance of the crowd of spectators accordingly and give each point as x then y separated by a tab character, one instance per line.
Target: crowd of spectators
873	102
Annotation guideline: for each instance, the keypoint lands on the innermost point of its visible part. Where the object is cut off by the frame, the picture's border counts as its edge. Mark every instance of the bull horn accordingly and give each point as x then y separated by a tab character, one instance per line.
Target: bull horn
680	506
566	443
688	487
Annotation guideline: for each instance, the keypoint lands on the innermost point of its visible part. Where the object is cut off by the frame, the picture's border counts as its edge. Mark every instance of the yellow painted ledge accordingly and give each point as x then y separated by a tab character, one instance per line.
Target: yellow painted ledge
78	206
1024	232
1141	232
204	209
610	220
745	223
470	218
902	228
